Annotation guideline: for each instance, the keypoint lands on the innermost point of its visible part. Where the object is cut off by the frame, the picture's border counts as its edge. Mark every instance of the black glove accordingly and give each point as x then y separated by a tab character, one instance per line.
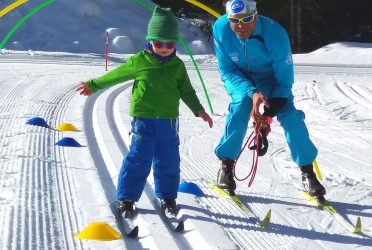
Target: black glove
276	104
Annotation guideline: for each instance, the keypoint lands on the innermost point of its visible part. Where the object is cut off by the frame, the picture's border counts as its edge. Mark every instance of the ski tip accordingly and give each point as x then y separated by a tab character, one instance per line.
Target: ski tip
358	227
180	227
266	220
133	233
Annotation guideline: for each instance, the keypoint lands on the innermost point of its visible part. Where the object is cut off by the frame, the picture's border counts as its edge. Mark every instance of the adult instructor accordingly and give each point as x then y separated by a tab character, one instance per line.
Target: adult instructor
255	62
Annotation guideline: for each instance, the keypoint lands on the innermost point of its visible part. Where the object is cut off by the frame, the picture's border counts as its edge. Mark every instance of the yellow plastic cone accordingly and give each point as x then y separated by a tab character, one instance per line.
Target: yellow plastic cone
98	231
67	127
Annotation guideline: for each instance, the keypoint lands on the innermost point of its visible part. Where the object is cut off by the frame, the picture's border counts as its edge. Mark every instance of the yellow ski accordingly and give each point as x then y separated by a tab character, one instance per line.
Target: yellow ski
327	206
224	194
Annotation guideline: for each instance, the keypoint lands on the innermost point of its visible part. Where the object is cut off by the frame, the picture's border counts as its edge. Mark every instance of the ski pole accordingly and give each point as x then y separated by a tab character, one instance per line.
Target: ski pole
317	170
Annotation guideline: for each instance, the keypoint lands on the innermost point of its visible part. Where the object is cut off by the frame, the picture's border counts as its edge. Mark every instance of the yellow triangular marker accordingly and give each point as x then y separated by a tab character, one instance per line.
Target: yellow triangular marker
98	231
266	220
358	226
67	127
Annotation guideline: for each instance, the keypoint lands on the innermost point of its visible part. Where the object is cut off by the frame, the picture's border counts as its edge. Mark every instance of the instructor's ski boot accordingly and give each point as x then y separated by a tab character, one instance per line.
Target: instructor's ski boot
225	176
311	183
168	205
125	208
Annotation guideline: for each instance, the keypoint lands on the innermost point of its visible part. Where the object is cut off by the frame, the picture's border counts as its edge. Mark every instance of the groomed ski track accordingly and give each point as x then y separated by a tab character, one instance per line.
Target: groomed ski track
48	179
241	230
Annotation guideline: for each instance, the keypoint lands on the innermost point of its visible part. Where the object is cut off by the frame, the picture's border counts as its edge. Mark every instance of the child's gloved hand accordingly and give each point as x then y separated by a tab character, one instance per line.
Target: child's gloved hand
84	90
202	114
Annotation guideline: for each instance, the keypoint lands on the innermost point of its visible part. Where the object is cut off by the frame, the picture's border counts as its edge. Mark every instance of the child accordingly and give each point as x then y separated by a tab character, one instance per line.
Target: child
160	82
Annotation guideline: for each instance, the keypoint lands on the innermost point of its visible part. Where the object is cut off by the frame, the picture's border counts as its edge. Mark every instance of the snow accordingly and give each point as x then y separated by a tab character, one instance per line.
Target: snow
81	26
50	193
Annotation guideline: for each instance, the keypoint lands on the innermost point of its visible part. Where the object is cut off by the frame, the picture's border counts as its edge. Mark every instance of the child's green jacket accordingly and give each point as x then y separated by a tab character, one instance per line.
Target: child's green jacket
157	88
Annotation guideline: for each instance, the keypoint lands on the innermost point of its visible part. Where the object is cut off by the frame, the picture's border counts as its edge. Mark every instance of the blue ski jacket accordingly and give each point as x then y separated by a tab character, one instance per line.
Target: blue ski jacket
261	62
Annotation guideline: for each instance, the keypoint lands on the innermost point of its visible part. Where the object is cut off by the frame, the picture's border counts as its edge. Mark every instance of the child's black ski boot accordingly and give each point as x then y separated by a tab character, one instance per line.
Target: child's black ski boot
168	205
125	208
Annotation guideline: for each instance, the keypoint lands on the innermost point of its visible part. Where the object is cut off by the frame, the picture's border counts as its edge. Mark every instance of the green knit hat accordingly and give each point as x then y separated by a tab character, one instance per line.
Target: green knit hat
163	26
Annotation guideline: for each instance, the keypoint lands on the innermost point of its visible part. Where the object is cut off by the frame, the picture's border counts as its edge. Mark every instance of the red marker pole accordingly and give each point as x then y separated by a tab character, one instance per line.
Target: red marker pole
106	48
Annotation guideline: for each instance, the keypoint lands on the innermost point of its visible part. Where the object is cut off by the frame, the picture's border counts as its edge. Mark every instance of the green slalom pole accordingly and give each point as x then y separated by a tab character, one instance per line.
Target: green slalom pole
197	70
188	51
23	20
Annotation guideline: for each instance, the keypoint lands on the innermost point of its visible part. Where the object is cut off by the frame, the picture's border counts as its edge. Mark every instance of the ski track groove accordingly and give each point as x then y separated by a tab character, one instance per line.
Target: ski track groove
13	94
355	96
65	174
363	91
5	123
35	225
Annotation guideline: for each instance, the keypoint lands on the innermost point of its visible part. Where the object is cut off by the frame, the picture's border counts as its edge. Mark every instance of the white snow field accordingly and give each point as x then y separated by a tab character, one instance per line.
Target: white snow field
49	193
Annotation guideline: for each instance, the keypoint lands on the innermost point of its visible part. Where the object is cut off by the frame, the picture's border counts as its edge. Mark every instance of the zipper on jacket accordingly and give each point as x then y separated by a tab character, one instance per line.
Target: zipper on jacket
157	106
246	60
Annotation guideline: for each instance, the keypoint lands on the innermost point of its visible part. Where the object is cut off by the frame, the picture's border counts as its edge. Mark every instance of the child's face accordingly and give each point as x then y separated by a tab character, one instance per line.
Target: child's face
163	51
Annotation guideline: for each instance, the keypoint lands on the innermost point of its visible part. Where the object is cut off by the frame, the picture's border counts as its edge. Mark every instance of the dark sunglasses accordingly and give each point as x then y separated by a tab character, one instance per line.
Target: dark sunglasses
246	19
159	45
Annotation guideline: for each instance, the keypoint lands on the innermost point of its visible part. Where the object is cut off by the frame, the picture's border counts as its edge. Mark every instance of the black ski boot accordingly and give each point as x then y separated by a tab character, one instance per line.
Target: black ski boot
225	176
311	183
168	205
125	208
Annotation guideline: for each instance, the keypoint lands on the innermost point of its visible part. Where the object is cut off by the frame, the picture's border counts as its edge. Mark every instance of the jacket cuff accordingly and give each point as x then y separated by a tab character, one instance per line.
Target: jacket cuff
196	113
91	86
276	104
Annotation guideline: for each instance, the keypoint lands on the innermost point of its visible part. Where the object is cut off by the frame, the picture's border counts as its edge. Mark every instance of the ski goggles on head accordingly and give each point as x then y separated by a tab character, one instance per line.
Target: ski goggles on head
159	45
246	19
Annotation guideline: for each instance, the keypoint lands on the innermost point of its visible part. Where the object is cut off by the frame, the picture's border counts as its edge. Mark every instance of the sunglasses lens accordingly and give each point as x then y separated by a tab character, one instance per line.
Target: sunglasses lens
248	19
234	20
158	45
170	45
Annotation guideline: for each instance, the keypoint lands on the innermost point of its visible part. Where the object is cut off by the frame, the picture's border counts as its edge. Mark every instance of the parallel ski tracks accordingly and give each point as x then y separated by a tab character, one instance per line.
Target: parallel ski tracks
245	240
45	187
49	188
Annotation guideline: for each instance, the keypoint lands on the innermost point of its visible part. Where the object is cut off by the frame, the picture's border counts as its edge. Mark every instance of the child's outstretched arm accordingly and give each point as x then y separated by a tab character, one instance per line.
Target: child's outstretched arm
202	114
84	90
121	74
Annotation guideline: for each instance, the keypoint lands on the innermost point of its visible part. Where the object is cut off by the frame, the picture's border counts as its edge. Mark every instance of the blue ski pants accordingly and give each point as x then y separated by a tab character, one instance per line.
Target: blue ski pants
155	142
302	150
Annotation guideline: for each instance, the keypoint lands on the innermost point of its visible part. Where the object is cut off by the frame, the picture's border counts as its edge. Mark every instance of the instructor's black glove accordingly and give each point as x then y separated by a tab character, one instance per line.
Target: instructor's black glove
276	104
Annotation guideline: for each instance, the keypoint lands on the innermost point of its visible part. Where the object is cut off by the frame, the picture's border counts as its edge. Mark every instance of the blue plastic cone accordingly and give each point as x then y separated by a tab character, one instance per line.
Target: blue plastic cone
37	121
68	142
190	188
